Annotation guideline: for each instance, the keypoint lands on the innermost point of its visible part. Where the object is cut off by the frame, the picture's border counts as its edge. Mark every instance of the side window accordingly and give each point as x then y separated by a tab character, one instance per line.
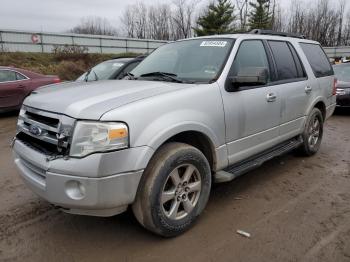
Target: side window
7	75
251	53
317	59
20	76
286	66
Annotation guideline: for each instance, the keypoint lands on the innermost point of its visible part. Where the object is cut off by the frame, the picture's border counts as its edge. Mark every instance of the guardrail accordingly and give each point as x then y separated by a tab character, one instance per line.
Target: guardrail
336	52
30	41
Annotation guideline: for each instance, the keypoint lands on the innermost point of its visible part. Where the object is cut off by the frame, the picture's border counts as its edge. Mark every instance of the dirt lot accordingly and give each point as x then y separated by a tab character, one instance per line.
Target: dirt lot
296	209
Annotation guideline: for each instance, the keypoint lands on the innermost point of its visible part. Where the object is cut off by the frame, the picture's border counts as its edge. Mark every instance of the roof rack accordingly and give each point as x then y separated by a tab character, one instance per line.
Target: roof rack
271	32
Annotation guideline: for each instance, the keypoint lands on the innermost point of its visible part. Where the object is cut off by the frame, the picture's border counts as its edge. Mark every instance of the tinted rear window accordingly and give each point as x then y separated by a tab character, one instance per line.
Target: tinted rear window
286	67
318	60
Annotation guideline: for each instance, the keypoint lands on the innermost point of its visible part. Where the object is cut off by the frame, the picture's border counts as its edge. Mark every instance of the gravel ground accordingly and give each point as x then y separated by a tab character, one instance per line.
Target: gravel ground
296	209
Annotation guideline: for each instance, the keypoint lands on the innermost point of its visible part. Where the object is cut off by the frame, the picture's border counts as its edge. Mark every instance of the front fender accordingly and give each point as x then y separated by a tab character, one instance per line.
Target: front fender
168	125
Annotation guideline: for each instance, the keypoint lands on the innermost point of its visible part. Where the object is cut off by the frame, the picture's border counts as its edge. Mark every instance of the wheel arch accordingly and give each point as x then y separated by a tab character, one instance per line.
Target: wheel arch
198	140
319	103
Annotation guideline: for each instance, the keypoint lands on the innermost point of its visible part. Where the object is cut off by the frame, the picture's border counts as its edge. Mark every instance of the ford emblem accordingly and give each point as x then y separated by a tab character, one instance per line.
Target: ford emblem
35	130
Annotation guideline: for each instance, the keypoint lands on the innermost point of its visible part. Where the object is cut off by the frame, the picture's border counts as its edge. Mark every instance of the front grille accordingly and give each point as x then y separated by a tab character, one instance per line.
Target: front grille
43	119
38	145
43	131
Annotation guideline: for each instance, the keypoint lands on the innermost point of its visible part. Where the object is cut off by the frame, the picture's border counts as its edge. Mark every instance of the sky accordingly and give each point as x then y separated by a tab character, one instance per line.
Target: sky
62	15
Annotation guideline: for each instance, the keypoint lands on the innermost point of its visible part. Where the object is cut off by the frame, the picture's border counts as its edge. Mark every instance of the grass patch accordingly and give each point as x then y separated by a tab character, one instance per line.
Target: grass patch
68	66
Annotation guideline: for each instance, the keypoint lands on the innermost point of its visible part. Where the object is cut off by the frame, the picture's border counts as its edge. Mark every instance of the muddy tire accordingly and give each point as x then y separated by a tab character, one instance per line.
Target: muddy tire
313	133
174	190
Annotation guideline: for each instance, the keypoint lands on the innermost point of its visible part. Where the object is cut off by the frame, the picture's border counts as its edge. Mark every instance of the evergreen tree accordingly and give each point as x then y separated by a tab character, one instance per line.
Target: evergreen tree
260	16
217	19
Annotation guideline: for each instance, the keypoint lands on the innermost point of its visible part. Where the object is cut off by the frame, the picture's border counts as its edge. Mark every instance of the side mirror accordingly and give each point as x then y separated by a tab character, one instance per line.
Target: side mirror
249	76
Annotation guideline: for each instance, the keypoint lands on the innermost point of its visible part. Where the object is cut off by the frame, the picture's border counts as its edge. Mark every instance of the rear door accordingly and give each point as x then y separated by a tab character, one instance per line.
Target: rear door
322	70
252	114
12	88
294	88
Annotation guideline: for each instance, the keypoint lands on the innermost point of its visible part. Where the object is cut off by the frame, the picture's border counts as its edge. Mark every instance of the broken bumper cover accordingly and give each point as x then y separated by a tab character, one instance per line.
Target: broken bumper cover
75	193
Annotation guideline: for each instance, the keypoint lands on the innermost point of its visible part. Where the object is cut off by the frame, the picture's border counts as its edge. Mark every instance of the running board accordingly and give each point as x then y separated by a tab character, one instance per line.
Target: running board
251	163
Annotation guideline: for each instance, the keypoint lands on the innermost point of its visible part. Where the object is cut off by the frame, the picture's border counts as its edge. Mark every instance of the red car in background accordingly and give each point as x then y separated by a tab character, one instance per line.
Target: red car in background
16	84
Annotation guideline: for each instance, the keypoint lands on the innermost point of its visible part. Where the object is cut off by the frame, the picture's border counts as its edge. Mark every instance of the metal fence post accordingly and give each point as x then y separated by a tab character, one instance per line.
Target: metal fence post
101	44
42	42
126	45
2	43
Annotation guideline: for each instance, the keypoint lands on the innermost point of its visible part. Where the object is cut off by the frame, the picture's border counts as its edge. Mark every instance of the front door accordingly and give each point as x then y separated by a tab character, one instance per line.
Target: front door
252	114
12	90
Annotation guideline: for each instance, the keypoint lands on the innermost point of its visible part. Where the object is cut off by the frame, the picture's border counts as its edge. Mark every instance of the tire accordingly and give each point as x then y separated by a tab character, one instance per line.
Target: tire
178	178
313	133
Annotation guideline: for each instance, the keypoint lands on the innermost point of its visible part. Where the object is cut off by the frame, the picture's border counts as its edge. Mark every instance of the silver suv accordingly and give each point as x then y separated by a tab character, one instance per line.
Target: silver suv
194	112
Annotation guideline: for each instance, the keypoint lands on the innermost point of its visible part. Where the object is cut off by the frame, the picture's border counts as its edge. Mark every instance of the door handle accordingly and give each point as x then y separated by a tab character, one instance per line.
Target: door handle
21	86
271	97
308	89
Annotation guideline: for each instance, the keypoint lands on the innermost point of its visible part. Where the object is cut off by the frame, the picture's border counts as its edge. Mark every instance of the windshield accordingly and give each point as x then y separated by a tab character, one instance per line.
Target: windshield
198	60
342	72
103	71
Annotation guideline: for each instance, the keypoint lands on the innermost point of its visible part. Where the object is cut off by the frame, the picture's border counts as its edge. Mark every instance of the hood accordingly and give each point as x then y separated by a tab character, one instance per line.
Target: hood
90	100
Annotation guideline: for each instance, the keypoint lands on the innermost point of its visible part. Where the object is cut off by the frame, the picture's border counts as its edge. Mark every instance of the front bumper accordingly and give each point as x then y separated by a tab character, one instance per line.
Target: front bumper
88	186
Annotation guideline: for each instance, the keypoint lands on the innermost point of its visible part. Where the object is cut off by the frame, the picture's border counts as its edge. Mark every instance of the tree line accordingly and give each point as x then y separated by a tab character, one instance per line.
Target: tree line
326	21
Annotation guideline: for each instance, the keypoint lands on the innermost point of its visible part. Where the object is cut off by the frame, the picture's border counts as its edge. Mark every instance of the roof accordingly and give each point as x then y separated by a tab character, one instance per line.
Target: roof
127	59
256	36
124	59
23	71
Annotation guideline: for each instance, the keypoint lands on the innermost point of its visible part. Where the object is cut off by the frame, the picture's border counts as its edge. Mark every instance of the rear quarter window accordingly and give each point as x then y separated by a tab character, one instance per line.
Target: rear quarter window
318	60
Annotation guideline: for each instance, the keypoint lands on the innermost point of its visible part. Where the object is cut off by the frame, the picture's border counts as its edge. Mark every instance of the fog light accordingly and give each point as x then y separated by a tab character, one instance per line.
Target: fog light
75	190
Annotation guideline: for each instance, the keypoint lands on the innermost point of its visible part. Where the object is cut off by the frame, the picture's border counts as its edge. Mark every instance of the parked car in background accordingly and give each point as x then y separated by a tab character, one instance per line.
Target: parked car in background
16	84
111	69
342	73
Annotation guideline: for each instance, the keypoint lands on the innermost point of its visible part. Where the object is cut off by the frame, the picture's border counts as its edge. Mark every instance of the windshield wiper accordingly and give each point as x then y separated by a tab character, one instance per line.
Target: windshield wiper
164	75
131	76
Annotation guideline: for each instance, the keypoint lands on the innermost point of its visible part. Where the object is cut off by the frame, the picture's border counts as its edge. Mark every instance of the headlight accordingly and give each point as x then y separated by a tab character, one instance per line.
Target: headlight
90	137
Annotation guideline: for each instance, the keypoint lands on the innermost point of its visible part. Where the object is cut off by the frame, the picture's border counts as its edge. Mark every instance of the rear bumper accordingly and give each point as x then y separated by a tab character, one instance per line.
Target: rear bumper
97	196
330	110
343	100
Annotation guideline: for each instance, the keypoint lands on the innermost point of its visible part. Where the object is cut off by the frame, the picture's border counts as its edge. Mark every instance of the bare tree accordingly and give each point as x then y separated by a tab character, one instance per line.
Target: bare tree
341	21
243	8
128	22
322	22
134	20
159	19
183	15
94	26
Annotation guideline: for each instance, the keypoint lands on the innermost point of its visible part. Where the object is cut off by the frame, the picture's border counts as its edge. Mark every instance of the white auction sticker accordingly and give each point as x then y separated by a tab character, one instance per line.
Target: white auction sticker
214	43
